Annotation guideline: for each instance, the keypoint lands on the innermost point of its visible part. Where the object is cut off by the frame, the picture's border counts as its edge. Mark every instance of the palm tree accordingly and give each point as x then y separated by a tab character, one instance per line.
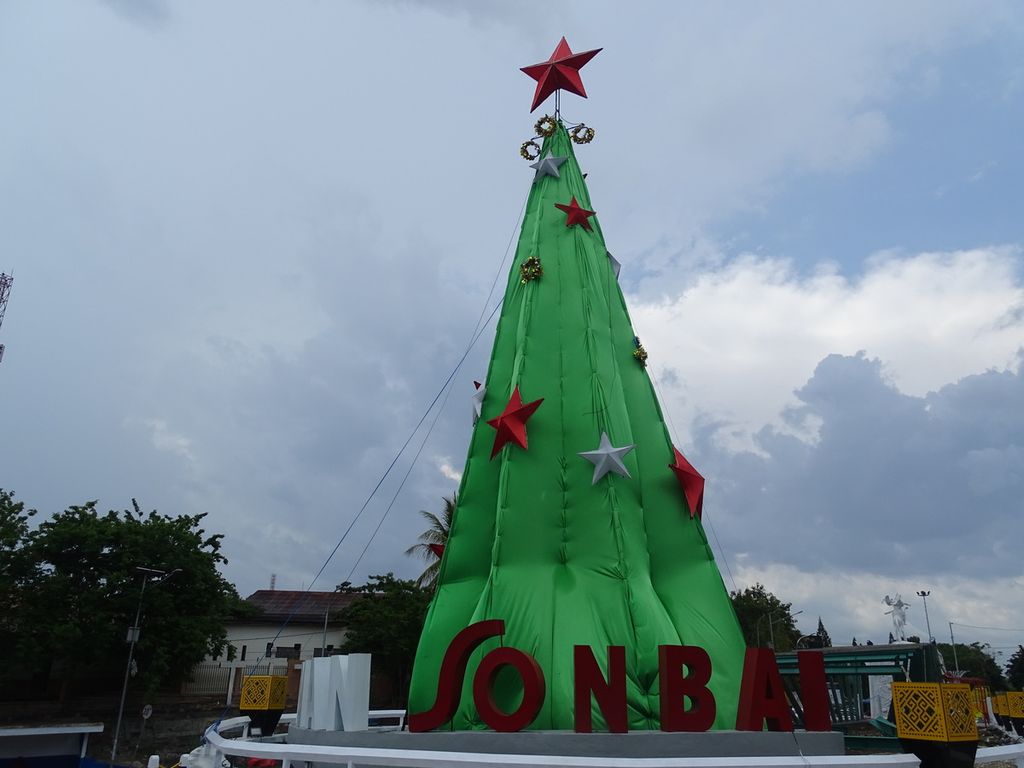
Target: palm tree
433	540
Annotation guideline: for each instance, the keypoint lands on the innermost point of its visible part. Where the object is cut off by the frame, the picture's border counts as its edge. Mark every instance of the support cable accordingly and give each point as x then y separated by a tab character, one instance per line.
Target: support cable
675	438
474	337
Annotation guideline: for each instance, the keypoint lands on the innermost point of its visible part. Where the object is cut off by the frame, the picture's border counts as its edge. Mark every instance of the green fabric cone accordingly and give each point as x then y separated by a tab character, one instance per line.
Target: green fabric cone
533	542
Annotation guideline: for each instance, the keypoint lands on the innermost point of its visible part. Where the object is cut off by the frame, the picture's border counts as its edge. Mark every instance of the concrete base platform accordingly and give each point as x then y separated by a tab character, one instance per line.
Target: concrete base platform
632	744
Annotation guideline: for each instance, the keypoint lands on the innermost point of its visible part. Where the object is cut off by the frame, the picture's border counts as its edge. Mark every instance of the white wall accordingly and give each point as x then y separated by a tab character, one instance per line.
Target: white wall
256	636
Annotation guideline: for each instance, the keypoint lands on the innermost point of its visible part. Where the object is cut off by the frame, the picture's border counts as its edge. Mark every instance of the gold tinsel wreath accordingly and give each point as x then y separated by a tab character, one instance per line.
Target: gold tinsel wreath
530	270
581	134
546	126
525	150
639	353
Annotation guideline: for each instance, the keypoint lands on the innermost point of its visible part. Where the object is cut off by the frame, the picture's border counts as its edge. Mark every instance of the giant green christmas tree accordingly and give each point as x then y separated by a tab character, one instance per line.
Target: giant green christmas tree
572	525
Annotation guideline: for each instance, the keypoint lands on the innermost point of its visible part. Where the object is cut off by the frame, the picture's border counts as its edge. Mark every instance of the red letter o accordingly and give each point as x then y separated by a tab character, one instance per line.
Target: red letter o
533	689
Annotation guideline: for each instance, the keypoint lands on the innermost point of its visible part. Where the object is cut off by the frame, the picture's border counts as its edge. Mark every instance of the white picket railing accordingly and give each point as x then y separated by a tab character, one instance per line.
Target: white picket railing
217	745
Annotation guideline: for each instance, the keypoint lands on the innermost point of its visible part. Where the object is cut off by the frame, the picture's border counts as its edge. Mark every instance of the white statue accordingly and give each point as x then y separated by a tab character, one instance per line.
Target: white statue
898	609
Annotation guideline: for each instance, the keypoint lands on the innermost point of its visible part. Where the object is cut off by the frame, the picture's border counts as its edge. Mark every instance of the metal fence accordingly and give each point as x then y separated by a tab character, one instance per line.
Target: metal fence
209	678
213	678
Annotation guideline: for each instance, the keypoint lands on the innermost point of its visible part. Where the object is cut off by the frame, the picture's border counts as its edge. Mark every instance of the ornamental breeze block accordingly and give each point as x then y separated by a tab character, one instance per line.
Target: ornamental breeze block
264	692
1015	704
934	712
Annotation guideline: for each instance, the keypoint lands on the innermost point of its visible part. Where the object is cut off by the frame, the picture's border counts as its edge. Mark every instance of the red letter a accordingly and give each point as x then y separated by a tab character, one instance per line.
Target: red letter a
610	695
762	697
674	686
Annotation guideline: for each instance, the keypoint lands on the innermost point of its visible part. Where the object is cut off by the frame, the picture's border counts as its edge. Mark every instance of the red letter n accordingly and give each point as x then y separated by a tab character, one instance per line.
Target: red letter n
610	695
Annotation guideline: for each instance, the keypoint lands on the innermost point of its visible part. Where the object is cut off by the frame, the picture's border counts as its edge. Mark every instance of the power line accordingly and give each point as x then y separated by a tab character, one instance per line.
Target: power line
994	629
412	464
675	438
478	330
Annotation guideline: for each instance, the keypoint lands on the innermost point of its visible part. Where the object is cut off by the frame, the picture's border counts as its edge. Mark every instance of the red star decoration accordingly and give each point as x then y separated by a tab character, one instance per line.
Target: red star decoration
561	71
511	425
692	482
437	549
575	215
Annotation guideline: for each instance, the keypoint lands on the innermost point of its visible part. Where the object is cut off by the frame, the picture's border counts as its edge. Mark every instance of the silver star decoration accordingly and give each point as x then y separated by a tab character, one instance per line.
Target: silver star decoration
607	458
478	402
548	166
616	266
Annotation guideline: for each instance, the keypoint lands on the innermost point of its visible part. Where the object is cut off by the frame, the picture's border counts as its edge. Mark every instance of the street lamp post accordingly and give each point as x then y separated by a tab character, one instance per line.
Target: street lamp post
924	596
952	641
771	625
133	638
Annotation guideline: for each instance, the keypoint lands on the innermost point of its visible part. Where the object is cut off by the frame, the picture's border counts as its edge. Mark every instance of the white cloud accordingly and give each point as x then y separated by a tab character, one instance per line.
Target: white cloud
164	438
447	470
850	603
735	345
910	476
285	275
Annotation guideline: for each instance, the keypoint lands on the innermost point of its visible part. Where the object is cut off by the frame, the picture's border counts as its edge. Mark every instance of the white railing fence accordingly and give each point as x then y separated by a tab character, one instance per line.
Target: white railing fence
219	678
218	746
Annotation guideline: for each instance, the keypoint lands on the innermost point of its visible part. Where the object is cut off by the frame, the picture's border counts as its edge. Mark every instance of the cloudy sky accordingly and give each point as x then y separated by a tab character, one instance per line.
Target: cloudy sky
251	241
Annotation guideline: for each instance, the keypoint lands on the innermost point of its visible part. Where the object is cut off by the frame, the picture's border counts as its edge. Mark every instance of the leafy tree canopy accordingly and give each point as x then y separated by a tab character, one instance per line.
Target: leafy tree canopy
820	639
74	605
386	620
755	607
974	661
1015	669
438	528
14	565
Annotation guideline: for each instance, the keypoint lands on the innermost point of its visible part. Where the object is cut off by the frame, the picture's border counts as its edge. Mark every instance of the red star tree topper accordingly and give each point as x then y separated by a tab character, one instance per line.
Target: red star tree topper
673	583
575	215
511	424
692	482
561	71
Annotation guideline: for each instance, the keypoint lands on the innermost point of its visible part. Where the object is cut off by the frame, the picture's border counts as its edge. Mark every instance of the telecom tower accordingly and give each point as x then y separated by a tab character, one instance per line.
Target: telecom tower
5	291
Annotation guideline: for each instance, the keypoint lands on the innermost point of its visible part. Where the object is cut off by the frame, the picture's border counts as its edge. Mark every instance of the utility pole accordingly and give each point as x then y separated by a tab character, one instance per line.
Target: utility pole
924	596
771	626
5	292
133	638
323	641
953	643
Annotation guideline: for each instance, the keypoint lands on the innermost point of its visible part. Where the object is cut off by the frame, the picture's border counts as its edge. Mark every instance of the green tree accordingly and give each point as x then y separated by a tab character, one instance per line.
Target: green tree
436	535
78	605
821	637
974	661
1015	669
755	607
386	619
15	567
